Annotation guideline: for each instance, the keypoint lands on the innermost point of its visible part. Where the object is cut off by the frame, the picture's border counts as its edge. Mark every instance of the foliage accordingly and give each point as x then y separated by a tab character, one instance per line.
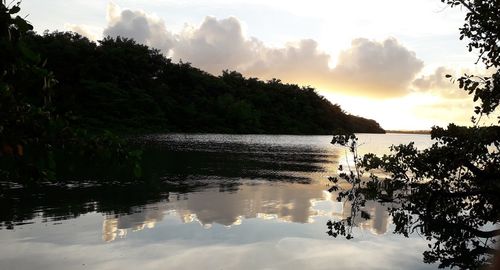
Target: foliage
130	88
447	193
353	193
482	28
32	129
450	192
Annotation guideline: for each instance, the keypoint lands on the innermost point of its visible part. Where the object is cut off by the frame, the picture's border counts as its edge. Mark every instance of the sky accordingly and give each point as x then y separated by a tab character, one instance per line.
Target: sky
384	60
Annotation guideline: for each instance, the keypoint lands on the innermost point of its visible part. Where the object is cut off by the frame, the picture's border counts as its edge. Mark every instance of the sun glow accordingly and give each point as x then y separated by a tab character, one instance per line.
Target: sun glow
392	114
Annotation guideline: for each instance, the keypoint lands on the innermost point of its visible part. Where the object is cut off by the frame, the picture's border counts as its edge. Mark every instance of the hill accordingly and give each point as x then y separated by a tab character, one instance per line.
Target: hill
126	87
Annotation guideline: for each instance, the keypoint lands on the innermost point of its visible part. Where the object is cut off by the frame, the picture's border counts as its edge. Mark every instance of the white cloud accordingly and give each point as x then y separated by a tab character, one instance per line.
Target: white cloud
368	68
144	28
216	45
283	253
299	62
376	69
434	80
380	69
438	84
83	30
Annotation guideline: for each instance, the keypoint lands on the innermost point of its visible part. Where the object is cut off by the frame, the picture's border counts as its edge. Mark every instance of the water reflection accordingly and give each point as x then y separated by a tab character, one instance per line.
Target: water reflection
379	218
222	179
237	202
299	203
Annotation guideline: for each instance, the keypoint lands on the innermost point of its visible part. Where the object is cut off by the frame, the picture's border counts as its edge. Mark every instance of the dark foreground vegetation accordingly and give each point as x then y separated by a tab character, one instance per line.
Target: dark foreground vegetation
449	193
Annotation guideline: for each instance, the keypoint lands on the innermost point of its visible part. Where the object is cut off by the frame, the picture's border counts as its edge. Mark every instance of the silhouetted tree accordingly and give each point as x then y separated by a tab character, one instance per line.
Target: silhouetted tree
33	130
450	192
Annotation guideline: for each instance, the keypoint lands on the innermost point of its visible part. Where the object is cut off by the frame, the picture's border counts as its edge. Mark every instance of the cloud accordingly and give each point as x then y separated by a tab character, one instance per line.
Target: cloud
437	84
144	28
435	80
216	45
376	69
185	251
300	62
368	68
83	30
380	69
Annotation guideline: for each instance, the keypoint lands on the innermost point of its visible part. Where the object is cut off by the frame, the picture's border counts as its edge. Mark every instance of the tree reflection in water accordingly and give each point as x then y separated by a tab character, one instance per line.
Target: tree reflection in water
428	192
171	166
197	188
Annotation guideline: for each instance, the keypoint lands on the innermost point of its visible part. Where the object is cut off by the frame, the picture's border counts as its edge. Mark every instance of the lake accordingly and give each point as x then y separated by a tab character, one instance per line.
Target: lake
225	202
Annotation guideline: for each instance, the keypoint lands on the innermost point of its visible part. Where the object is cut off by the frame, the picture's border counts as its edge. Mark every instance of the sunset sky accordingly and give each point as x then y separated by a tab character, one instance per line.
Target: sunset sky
384	60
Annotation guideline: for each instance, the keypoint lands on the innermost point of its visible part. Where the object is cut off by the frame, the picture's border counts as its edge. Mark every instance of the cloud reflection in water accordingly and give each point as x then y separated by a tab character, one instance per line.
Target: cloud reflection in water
285	202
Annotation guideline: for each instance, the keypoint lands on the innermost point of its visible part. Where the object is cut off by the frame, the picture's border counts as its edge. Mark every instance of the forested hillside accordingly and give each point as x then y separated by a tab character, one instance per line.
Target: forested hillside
125	87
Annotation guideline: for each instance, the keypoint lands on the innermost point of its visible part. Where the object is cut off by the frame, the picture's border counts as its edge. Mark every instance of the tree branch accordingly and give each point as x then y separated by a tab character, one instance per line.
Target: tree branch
469	7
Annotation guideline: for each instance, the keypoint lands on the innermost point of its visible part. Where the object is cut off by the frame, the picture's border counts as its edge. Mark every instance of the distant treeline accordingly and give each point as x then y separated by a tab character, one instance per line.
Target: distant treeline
409	131
126	87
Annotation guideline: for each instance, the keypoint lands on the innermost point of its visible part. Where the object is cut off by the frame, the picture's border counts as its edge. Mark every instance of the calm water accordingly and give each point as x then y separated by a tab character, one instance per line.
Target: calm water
227	202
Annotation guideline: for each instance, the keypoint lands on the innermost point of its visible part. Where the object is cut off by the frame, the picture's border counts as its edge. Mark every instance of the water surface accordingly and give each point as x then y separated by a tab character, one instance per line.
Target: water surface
226	202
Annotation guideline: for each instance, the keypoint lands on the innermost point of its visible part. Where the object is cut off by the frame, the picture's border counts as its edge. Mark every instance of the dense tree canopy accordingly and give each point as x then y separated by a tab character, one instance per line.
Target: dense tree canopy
450	192
120	85
33	127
